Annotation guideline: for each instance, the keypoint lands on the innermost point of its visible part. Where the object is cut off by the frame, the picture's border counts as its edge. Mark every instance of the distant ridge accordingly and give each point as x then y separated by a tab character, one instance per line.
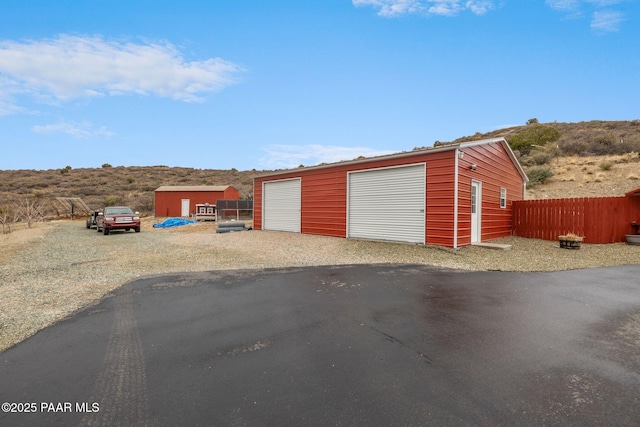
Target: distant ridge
135	185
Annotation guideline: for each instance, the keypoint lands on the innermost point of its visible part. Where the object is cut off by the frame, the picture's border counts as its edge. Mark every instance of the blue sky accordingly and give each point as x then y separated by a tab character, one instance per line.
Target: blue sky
257	84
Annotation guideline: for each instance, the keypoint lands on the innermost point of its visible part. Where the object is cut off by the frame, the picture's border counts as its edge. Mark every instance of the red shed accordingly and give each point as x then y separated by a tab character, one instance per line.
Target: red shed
181	200
451	195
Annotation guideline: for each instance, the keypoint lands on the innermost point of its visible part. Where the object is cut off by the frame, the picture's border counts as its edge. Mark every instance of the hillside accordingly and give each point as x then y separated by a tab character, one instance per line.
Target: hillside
132	186
586	159
594	137
590	176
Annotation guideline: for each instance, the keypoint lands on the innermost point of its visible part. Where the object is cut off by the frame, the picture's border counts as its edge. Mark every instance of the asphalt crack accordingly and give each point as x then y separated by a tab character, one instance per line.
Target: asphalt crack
401	343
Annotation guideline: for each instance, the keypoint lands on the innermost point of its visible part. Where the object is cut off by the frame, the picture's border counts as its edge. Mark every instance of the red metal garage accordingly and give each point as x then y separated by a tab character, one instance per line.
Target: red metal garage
451	195
181	200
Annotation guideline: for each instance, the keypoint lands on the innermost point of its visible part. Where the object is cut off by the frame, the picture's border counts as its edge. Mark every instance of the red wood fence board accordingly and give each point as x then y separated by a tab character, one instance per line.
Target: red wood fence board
598	219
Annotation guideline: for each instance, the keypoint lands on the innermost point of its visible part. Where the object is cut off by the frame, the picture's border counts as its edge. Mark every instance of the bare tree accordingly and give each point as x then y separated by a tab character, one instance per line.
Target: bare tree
30	210
5	214
7	217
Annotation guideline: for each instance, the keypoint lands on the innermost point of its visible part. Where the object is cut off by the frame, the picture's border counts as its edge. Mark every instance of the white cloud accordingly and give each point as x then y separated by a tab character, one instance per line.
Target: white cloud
479	7
291	156
563	5
78	130
390	8
571	5
8	108
7	105
445	8
70	67
607	21
604	3
603	20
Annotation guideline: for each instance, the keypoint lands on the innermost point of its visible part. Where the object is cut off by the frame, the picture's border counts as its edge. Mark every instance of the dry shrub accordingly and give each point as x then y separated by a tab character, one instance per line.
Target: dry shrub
598	143
538	175
113	200
606	165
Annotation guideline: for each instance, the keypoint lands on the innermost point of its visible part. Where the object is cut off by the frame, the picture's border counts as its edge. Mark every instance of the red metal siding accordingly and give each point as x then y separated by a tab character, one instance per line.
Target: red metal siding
324	193
257	203
440	196
495	170
230	194
324	196
323	200
169	203
324	203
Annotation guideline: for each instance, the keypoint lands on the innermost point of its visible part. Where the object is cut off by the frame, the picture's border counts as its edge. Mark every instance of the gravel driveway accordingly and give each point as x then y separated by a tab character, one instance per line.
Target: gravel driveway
57	268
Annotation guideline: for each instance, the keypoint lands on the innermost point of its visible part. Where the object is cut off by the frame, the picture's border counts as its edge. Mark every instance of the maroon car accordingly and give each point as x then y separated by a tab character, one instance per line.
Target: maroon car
118	218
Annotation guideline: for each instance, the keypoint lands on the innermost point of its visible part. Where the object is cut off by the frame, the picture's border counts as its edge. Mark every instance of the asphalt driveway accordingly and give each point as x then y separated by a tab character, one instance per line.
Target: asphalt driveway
349	345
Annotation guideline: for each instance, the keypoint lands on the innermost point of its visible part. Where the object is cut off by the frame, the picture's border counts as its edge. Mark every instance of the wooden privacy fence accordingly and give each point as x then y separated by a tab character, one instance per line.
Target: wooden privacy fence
599	220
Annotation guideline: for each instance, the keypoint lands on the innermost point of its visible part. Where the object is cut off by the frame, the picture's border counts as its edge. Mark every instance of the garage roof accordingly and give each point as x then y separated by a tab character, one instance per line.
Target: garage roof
192	188
635	192
444	147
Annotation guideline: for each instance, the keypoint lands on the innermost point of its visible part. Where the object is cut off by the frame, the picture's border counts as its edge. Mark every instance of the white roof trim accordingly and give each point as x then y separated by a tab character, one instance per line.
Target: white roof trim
192	188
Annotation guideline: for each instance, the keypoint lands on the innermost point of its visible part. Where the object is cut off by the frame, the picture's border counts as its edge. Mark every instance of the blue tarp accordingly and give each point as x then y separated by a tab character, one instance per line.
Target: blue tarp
173	222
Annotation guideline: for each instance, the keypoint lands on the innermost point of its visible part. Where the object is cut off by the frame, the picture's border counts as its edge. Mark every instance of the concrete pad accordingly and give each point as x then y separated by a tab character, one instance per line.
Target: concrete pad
488	245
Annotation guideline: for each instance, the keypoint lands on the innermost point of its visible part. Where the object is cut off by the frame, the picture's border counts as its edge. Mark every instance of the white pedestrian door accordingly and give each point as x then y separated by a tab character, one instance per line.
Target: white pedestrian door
476	211
282	205
185	207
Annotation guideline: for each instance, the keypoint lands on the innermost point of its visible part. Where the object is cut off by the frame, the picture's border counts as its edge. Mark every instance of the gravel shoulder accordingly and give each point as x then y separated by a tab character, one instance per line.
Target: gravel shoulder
55	269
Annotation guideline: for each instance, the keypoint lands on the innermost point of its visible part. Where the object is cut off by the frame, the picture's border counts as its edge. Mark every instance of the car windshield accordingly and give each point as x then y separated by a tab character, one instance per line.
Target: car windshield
118	211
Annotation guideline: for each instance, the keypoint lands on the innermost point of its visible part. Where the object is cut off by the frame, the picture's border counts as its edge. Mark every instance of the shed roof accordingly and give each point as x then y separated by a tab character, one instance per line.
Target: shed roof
192	188
444	147
635	193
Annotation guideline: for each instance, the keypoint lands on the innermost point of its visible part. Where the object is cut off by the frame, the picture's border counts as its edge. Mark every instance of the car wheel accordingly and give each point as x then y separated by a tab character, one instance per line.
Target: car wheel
137	229
105	231
88	224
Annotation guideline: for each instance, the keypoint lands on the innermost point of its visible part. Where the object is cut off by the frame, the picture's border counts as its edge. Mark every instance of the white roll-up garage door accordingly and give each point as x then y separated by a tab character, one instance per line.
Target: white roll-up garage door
388	204
282	205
